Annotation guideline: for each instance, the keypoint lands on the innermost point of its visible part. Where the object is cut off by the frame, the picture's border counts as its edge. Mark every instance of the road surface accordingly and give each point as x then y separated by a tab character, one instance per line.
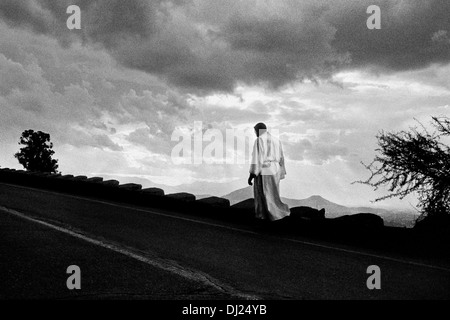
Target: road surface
130	252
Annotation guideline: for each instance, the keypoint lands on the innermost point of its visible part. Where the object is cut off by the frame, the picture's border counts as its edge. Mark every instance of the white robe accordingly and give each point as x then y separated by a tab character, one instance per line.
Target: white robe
268	166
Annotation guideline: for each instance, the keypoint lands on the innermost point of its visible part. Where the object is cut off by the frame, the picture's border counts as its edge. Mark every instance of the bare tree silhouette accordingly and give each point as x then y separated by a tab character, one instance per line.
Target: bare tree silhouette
415	161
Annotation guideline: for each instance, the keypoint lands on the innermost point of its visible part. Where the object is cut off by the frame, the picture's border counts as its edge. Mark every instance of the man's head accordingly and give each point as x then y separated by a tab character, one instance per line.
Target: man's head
260	128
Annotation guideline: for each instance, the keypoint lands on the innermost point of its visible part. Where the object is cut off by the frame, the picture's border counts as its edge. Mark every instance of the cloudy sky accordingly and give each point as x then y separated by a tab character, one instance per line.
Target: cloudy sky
112	93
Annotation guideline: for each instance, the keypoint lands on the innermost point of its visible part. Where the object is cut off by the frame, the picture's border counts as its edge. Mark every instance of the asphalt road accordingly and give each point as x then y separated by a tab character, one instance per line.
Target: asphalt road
133	253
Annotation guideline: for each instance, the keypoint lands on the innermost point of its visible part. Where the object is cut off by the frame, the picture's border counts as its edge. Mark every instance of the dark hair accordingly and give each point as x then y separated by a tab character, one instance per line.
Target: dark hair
260	126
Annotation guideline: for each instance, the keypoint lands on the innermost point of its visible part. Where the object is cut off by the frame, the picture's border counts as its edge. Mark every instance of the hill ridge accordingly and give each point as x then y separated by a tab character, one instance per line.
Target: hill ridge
332	210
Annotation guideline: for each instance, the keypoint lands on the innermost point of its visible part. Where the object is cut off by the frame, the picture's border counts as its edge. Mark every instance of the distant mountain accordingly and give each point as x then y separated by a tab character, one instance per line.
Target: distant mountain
316	202
199	189
202	196
239	195
142	181
332	210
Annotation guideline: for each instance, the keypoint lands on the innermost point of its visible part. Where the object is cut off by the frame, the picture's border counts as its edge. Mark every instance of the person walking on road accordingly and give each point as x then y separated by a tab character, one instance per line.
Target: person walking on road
266	170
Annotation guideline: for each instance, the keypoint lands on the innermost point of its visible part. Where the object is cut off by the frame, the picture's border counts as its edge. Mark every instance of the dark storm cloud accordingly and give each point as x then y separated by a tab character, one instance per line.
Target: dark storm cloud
209	46
279	51
107	22
408	38
26	13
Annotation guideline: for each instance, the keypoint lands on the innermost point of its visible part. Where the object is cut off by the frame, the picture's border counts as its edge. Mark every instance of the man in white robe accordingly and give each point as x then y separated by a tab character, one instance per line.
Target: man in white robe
267	169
